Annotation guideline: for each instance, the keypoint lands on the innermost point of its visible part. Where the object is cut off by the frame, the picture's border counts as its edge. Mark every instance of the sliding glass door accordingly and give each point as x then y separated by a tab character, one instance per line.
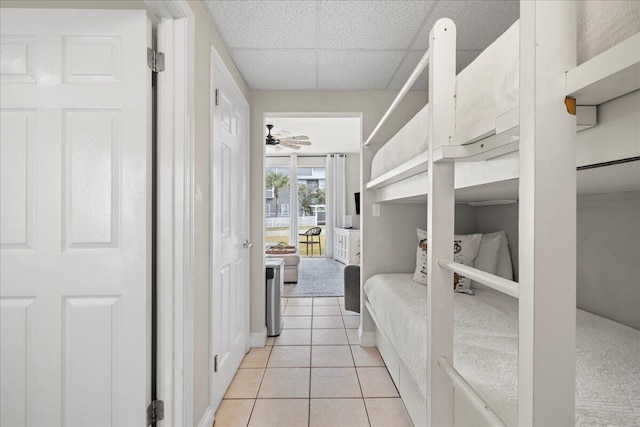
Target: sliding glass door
311	202
277	206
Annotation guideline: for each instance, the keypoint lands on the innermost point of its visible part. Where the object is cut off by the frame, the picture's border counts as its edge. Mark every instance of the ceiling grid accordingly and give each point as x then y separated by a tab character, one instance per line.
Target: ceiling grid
413	40
318	14
348	44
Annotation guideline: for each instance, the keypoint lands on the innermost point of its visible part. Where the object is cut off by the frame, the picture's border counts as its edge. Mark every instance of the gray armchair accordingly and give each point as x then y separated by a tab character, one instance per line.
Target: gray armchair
352	288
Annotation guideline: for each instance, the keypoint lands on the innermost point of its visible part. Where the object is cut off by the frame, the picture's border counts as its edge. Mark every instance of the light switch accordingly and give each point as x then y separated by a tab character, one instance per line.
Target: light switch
376	209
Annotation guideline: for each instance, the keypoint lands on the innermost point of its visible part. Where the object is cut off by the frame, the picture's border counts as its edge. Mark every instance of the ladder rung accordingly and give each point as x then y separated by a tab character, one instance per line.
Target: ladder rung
498	283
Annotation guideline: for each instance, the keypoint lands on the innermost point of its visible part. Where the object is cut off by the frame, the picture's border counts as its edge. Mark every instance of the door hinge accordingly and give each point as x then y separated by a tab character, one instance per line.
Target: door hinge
155	60
217	96
215	363
155	411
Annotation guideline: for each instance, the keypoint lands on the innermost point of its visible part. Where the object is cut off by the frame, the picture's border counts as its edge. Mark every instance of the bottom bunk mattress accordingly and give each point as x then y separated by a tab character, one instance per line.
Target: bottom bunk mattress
486	351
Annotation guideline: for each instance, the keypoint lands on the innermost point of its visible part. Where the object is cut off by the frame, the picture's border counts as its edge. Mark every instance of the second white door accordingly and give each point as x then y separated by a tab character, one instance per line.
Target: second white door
230	229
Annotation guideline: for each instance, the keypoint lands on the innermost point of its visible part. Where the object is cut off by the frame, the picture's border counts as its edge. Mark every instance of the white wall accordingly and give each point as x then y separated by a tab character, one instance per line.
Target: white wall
372	105
608	241
608	276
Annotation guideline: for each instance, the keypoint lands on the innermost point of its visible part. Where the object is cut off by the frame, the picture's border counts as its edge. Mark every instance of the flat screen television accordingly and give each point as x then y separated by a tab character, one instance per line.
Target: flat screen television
357	197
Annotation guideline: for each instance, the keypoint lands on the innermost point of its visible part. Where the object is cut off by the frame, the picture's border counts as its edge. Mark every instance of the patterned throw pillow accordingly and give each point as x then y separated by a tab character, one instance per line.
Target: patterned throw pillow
420	275
465	251
465	248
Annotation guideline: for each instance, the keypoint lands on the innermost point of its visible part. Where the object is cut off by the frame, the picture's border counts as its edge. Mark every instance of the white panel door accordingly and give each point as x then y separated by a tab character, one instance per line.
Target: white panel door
230	227
75	218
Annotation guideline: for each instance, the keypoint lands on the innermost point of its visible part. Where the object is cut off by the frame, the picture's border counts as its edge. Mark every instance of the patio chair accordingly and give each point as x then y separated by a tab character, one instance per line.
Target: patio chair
309	239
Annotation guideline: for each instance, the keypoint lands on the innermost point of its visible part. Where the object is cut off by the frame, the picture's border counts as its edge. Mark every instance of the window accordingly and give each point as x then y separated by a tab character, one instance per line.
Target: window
284	210
267	210
269	193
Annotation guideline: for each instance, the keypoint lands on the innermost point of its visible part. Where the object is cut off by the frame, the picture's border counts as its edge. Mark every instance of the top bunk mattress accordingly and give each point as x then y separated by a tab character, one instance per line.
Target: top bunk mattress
489	86
486	351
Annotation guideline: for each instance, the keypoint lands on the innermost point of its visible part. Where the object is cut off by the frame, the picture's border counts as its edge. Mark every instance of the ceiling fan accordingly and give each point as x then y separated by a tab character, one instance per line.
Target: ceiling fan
286	139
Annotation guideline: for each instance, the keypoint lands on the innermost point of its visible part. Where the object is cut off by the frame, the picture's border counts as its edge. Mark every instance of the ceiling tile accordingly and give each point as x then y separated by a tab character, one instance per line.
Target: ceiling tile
265	24
478	23
278	69
463	58
370	24
357	69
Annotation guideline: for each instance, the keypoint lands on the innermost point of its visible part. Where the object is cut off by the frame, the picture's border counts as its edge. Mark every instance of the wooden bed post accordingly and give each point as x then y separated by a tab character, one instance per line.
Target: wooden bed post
547	248
440	221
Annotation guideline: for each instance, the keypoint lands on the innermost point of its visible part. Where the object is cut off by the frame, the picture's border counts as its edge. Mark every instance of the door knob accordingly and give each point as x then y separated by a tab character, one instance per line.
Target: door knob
247	244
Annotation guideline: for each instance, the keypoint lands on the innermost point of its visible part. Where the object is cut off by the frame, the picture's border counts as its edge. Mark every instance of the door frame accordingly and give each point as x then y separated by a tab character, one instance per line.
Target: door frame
175	209
216	62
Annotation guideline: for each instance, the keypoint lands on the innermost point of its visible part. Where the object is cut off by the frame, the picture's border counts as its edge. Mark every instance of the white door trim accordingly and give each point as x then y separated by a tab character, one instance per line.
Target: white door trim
175	223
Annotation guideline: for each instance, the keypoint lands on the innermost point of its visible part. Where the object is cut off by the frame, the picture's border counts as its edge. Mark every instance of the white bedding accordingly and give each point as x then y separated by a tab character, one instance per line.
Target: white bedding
489	86
486	351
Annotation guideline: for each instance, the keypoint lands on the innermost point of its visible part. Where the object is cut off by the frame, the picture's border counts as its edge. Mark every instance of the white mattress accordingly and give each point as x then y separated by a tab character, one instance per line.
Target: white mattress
486	351
489	86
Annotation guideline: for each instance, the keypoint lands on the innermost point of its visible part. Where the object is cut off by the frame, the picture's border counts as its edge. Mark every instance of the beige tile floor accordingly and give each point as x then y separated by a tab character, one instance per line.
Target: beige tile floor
314	374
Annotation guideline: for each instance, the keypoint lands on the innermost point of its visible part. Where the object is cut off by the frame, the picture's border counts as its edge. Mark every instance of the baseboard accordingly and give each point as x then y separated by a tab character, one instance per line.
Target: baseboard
367	338
259	339
207	418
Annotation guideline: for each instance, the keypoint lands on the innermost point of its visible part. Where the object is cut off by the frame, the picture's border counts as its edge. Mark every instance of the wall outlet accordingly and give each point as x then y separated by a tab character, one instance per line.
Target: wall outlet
376	209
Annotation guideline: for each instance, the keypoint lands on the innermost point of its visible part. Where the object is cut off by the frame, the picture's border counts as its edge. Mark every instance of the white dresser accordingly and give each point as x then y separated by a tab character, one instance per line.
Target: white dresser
346	245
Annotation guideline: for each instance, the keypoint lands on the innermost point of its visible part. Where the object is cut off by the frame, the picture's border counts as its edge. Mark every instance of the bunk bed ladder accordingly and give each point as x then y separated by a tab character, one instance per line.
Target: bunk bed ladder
547	224
440	221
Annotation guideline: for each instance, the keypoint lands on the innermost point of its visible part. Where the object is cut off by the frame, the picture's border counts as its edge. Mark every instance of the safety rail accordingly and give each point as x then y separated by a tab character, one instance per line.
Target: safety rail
474	398
408	84
498	283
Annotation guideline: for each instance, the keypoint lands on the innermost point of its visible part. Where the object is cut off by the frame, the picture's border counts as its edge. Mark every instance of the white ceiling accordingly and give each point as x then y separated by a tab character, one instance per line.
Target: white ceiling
327	134
347	45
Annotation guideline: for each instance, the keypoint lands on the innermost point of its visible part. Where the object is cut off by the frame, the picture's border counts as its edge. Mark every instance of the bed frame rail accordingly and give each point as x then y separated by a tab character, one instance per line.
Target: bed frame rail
465	388
424	62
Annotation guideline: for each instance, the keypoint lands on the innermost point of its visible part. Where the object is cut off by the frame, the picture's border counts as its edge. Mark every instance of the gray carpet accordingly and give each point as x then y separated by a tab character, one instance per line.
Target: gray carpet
317	277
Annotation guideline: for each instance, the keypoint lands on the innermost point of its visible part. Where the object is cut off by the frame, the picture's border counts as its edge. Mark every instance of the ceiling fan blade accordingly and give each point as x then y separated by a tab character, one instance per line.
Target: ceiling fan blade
281	134
294	139
307	142
290	145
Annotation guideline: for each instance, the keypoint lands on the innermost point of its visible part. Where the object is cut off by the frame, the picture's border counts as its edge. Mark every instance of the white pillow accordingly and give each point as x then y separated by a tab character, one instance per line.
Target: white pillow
504	268
465	251
420	275
487	259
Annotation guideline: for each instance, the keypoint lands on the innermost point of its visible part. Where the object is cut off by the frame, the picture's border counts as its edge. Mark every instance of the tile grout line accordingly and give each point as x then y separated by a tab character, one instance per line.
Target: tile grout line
355	368
310	366
259	386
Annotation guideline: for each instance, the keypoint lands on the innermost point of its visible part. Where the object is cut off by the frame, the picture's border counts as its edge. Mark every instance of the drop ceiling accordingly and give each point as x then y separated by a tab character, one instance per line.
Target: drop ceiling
348	45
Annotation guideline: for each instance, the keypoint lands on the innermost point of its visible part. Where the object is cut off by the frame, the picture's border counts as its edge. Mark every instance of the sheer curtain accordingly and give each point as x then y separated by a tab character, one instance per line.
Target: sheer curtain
293	201
336	197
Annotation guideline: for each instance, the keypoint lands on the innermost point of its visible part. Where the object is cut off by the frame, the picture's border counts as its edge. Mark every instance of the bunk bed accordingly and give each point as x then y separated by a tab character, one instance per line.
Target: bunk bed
487	110
486	352
476	134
